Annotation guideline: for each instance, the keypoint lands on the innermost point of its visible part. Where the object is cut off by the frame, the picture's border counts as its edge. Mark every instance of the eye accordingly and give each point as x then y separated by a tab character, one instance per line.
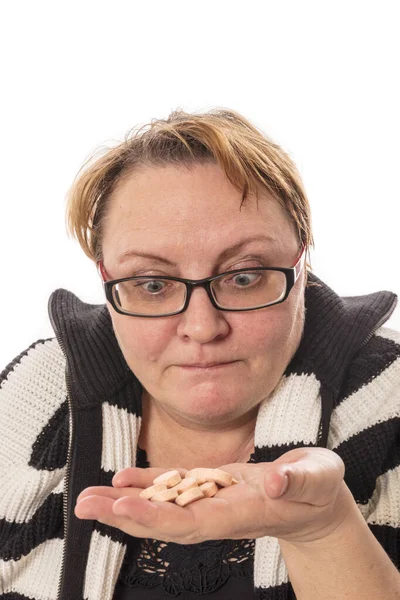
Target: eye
154	286
245	279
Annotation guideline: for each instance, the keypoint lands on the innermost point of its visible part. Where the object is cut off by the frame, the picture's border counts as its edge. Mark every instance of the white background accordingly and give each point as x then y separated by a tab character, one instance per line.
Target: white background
321	78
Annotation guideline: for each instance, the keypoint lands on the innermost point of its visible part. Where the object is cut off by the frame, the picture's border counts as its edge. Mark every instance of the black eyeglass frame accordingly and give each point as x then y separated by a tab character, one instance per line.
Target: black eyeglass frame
291	274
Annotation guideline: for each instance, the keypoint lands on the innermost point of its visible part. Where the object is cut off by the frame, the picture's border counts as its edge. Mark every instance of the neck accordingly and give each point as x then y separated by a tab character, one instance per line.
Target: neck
170	442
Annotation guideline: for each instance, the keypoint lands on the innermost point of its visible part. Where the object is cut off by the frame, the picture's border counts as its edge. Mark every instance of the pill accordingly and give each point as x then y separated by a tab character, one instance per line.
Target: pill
189	496
202	475
198	474
185	484
166	496
170	478
153	489
234	481
209	489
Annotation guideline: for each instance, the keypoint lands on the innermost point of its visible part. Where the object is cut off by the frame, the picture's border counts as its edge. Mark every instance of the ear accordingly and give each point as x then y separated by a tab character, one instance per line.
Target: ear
101	271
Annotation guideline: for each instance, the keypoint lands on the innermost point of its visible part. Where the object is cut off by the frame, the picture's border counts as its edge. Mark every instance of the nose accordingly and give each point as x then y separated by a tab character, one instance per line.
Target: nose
201	321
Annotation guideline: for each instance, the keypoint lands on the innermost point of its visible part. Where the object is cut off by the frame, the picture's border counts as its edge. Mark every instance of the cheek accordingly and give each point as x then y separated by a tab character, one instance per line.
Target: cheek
141	340
275	332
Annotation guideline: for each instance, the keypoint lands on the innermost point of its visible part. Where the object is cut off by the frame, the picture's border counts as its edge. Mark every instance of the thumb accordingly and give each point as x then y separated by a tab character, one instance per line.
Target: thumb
276	483
313	479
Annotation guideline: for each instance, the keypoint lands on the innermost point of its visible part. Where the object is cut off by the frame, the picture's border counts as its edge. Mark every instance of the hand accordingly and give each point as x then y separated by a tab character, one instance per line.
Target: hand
314	504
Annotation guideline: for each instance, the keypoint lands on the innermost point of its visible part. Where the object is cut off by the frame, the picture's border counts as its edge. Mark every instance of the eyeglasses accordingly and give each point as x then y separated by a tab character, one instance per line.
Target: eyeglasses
238	290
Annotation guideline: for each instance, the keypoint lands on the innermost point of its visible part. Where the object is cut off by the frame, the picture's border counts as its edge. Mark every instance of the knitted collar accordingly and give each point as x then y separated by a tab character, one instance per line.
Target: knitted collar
335	329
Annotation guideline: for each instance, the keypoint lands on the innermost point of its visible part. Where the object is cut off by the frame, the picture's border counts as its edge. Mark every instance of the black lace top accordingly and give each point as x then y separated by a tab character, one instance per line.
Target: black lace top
154	570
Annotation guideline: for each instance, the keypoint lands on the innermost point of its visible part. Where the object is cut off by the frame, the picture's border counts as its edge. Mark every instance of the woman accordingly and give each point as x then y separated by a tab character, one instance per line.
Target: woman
216	348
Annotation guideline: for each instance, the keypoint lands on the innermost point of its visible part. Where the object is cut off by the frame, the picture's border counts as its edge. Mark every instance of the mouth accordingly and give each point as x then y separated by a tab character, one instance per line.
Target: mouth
207	366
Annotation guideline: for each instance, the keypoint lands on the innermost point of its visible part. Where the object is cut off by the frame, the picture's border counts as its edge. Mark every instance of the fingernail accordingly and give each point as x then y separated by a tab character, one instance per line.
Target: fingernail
285	485
86	512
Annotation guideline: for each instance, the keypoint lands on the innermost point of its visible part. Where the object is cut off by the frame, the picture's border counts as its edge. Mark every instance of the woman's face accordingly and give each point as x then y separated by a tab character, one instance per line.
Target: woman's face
191	217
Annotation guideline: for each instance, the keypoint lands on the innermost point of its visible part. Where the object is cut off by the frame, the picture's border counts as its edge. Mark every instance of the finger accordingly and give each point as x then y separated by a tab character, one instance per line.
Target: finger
140	518
171	522
205	519
314	480
108	492
140	478
211	518
101	509
276	483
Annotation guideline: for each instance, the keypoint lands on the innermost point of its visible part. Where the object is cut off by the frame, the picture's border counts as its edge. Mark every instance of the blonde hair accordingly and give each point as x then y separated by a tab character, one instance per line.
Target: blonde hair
248	158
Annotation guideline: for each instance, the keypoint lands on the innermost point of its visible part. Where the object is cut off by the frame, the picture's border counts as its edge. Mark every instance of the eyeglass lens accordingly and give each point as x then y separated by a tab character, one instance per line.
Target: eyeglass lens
158	296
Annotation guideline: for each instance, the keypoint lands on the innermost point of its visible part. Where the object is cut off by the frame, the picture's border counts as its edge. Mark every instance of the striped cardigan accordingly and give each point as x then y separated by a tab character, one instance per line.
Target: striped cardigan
70	416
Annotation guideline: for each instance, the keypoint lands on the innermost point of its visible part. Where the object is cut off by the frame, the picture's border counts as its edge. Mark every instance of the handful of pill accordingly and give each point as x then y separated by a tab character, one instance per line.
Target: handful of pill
197	483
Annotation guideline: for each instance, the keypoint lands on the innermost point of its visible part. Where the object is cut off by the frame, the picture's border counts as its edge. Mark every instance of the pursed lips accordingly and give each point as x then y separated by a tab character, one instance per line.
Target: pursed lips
206	365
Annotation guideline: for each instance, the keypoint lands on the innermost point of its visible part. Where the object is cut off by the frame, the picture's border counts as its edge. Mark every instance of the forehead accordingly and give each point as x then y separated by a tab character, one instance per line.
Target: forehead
175	207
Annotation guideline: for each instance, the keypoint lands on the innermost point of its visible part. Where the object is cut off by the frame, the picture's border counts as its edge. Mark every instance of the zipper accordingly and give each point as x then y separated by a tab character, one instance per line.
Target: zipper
381	321
69	454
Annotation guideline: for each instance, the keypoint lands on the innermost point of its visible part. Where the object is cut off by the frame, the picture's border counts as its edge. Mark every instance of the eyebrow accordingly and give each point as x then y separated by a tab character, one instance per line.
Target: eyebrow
222	256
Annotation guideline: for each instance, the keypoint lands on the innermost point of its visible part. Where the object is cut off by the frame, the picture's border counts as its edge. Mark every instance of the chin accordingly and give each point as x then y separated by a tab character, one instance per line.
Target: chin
211	406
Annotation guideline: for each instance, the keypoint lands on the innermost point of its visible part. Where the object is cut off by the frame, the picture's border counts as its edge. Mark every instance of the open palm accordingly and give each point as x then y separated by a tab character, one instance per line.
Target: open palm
315	501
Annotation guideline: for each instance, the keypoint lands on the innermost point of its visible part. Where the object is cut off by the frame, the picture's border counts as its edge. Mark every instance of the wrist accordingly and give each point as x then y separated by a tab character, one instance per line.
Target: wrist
348	562
343	516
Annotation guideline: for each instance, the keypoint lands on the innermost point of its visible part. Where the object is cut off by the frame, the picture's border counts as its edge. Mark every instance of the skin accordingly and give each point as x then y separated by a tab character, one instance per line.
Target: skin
301	499
315	503
190	216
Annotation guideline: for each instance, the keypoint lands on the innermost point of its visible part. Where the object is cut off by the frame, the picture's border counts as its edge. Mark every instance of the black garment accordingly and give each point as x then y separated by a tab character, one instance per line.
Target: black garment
234	589
70	418
154	570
